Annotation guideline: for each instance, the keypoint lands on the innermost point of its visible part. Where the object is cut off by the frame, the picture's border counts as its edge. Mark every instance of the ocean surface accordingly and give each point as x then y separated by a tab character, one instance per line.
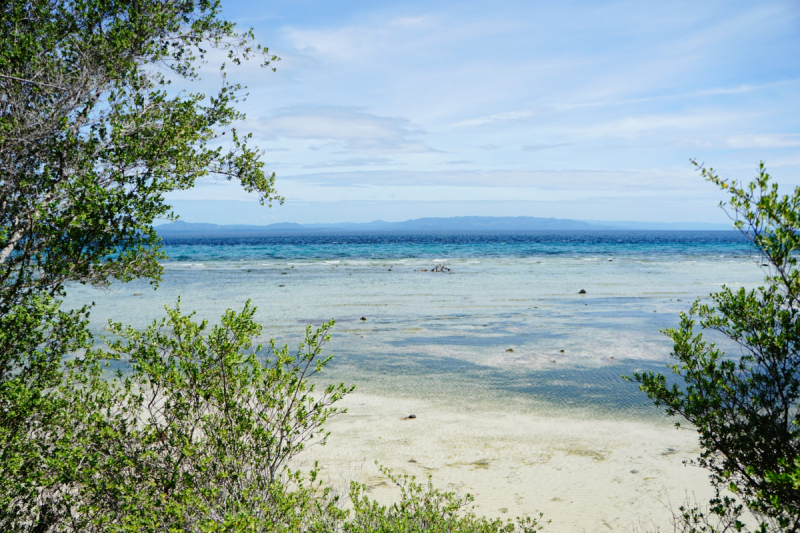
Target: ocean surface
501	325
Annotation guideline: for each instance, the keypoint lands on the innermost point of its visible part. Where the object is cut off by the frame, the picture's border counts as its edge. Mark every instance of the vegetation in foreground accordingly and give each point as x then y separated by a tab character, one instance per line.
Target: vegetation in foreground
745	408
198	436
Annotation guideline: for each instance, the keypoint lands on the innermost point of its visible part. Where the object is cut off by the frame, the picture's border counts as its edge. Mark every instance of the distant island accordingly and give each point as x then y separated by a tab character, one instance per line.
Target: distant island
433	224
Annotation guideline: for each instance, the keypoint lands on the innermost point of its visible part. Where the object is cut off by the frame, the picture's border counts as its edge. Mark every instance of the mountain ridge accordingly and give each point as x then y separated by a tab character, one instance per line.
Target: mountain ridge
435	224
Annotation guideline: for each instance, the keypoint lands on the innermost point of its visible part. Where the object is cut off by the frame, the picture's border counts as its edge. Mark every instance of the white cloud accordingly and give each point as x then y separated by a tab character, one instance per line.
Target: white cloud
669	123
764	141
355	130
540	147
510	116
623	181
352	162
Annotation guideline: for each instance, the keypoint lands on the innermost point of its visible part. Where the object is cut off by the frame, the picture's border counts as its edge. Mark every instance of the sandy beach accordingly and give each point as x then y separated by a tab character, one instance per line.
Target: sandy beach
584	475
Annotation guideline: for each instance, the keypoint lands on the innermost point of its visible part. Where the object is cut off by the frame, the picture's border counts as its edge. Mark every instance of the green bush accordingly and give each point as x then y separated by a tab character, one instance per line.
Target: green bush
424	509
745	408
198	435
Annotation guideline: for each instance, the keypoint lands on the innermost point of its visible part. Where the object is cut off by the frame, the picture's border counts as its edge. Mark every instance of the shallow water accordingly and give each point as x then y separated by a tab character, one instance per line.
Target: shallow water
505	327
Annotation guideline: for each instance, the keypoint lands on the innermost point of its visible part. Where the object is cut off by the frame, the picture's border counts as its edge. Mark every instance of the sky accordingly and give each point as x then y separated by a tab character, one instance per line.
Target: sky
585	110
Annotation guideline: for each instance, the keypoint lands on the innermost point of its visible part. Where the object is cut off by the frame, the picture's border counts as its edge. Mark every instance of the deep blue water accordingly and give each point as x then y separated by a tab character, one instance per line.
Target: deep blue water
378	246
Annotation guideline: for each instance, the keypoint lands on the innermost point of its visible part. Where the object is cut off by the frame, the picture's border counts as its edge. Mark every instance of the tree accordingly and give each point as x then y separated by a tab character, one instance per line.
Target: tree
745	407
92	135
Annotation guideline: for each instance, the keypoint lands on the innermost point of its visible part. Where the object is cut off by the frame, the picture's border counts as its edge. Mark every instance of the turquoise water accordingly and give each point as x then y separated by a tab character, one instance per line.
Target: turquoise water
487	333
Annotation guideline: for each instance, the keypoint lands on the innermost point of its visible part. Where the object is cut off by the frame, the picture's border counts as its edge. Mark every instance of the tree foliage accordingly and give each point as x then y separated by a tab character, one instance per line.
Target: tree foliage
92	136
745	406
196	437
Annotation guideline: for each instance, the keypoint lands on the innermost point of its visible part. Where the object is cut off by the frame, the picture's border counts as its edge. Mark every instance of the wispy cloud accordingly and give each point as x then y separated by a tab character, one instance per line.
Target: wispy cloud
352	162
510	116
764	140
540	147
565	180
355	130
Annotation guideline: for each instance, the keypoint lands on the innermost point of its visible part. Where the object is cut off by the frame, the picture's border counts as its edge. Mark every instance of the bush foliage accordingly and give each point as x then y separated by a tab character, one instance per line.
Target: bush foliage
745	407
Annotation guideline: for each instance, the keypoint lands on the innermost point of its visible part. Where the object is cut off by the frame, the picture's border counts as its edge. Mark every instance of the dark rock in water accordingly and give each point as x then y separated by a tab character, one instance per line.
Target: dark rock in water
412	416
281	285
562	351
363	318
510	350
581	291
137	293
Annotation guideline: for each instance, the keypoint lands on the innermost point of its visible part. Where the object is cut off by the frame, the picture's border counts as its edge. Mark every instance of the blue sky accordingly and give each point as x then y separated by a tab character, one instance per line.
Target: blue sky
587	110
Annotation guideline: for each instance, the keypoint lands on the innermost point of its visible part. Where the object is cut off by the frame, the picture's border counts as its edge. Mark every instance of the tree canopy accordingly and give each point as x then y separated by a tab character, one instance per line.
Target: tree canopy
93	134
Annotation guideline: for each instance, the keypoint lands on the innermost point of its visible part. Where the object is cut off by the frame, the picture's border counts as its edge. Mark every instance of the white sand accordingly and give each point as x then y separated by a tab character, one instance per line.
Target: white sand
583	475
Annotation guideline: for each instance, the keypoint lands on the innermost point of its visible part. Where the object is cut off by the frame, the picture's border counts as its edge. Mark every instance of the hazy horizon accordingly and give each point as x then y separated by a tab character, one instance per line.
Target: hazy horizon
467	223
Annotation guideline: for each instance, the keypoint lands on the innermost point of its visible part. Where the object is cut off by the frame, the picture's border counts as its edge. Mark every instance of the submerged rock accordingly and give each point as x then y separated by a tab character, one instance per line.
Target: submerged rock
581	291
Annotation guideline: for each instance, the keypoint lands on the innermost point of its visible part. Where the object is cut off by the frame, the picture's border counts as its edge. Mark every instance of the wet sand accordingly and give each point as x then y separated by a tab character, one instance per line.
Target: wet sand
584	475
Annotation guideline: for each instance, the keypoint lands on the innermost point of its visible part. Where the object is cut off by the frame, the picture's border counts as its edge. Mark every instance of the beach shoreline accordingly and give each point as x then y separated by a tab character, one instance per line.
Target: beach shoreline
584	475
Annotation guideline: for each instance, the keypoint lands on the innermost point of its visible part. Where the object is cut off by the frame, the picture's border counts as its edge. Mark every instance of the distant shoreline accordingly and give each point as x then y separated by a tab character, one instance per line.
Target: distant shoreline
482	225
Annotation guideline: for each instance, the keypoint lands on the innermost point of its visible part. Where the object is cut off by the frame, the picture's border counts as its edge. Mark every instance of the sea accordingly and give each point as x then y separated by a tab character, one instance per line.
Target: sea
544	322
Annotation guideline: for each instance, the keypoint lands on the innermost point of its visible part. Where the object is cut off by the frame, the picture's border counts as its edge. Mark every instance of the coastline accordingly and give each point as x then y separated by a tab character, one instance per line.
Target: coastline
584	475
512	373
